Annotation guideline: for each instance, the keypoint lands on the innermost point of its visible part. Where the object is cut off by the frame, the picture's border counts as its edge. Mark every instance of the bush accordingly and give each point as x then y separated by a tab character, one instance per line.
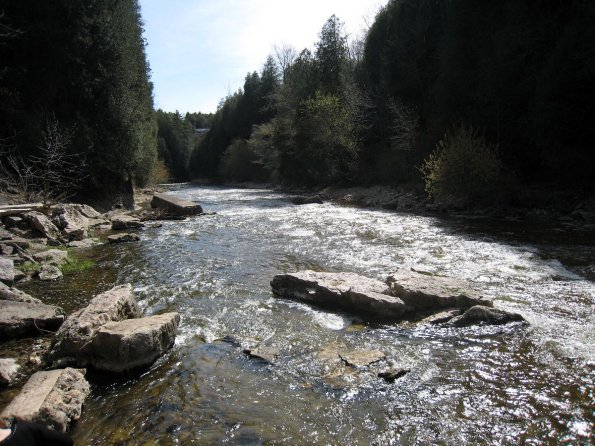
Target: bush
463	167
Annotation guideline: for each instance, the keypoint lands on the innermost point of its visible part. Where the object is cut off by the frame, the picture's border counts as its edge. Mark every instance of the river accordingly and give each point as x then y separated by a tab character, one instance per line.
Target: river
504	385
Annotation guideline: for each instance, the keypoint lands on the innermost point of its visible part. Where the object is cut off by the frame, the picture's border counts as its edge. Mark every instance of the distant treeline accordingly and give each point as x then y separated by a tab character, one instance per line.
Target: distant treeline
472	97
433	84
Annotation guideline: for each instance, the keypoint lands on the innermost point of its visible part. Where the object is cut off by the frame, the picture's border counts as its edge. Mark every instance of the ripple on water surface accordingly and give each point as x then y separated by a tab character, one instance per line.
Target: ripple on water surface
492	385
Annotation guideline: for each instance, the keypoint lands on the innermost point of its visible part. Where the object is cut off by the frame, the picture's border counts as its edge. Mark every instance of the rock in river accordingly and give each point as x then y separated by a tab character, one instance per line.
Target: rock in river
484	315
345	290
21	318
53	398
175	205
130	344
80	327
8	293
120	222
123	238
428	293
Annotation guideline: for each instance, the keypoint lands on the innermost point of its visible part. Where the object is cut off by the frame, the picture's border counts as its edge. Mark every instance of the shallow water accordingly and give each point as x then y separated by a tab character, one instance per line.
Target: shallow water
482	386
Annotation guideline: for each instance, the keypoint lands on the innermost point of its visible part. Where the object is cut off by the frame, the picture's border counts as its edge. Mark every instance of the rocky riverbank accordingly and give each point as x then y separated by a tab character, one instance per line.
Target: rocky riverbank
37	243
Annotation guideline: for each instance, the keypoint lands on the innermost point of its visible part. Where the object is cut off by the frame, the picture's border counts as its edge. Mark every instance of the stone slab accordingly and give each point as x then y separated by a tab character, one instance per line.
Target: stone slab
54	399
175	205
22	318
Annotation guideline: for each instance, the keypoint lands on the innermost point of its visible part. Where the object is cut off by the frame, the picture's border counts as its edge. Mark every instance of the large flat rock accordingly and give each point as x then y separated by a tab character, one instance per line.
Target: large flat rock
22	318
53	398
127	345
122	222
348	291
175	205
9	293
79	328
427	293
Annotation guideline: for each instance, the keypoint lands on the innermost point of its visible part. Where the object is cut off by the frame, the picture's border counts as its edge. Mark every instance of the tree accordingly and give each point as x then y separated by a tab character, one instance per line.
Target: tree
331	55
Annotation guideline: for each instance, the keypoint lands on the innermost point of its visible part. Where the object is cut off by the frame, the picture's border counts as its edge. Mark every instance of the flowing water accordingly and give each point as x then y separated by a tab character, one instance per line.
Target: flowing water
504	385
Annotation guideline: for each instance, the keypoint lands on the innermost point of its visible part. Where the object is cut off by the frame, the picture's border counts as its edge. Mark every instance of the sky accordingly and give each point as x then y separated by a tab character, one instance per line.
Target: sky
200	51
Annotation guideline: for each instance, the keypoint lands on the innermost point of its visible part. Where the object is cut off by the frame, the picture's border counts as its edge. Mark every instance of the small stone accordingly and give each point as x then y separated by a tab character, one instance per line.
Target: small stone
49	272
9	369
266	353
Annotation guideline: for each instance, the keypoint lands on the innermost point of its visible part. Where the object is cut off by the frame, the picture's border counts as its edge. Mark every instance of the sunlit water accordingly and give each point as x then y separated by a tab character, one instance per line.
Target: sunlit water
479	386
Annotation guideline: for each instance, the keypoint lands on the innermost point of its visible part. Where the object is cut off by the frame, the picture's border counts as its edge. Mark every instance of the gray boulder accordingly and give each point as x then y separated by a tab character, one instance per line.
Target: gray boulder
427	293
123	238
54	399
349	291
175	205
42	224
8	293
121	222
127	345
21	318
49	272
52	256
9	369
7	271
73	224
481	315
79	328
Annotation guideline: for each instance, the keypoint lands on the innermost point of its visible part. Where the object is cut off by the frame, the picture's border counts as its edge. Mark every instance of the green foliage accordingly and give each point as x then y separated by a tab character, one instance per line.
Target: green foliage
84	64
240	163
176	138
464	167
74	265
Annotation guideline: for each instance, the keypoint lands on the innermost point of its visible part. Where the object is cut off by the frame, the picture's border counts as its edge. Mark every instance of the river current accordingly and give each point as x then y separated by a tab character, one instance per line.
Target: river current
503	385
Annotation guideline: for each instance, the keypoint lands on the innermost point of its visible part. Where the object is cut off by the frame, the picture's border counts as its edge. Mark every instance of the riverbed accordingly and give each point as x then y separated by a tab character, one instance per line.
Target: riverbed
503	385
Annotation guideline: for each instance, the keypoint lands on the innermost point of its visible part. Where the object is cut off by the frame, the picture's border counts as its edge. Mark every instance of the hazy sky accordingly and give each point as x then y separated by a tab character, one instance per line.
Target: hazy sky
200	50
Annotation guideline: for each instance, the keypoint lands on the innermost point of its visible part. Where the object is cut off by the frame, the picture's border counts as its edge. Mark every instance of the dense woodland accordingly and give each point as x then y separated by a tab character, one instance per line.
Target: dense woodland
471	99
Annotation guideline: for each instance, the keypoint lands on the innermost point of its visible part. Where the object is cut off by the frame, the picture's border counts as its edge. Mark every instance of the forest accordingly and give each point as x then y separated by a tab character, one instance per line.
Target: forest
471	100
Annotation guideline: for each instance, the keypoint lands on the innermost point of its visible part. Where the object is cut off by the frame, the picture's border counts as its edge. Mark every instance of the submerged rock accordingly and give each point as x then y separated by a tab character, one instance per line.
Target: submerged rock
266	353
175	205
21	318
345	290
361	358
482	315
80	327
9	369
131	344
53	398
425	293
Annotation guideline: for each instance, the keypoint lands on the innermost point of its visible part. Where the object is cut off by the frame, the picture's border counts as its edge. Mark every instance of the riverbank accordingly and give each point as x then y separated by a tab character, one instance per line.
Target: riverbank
531	204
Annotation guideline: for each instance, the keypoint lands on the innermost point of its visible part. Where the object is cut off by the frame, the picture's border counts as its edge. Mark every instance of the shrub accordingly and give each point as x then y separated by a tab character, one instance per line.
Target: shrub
463	167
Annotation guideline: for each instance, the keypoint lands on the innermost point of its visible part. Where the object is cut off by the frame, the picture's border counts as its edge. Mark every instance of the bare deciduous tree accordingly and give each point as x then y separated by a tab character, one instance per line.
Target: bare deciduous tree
51	175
